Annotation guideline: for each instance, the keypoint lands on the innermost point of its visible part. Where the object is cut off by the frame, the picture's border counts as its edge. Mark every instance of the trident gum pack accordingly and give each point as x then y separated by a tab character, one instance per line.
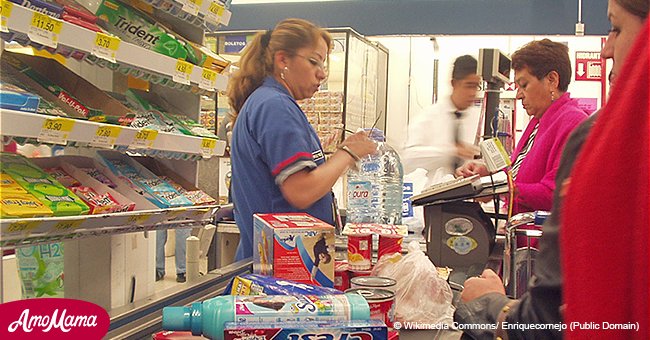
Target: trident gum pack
294	246
335	330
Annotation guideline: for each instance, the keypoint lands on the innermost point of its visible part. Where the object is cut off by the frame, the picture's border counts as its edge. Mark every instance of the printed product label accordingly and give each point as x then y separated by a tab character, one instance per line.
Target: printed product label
407	205
282	308
359	194
462	245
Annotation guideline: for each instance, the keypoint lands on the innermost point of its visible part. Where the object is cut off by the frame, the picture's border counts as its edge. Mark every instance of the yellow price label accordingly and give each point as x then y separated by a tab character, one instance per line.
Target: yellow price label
22	226
106	46
175	213
139	219
144	138
56	130
5	12
45	29
105	136
182	72
208	79
216	9
68	225
207	147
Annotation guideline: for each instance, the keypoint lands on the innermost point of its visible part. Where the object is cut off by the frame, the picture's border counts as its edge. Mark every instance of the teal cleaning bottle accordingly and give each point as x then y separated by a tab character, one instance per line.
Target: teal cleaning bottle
208	317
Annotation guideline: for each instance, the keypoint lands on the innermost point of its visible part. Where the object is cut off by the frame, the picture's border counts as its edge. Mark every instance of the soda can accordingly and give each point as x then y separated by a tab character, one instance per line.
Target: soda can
360	251
373	282
341	276
381	302
389	244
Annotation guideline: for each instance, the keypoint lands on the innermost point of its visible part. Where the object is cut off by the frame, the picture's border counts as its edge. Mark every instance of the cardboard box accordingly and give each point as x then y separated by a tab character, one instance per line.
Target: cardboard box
77	96
289	245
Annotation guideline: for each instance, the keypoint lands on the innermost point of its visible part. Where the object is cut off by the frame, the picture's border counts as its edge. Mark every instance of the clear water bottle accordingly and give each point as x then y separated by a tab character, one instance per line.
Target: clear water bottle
375	189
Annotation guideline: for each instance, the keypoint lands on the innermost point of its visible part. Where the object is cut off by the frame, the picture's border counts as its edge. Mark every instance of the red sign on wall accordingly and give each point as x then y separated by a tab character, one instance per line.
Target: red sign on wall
588	66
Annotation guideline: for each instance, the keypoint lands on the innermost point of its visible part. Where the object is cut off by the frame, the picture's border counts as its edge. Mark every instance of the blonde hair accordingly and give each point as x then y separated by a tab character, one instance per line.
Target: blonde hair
256	62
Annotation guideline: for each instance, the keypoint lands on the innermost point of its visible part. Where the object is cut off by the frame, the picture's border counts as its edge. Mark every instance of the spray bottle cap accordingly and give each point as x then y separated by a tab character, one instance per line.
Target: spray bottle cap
183	318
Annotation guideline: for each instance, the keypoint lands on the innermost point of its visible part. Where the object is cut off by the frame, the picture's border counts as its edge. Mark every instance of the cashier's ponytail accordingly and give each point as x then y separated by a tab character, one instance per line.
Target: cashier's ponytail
256	62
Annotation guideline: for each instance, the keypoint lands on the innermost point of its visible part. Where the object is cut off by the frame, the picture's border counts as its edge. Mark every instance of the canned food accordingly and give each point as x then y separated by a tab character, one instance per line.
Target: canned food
381	302
358	273
376	282
341	276
389	244
360	251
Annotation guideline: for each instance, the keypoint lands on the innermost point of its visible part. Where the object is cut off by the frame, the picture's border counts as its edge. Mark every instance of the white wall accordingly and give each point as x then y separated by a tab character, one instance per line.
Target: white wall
410	72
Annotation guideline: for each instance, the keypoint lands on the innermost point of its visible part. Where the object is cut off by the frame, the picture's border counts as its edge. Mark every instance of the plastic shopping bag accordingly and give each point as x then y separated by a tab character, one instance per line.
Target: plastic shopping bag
420	294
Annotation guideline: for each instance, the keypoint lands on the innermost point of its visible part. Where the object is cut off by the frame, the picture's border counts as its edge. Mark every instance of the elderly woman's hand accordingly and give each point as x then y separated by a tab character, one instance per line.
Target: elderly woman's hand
472	168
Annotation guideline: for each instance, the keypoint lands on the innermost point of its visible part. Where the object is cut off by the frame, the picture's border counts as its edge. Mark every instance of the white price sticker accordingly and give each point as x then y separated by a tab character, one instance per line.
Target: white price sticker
144	139
182	72
192	6
105	136
208	80
207	147
5	12
56	131
45	30
106	46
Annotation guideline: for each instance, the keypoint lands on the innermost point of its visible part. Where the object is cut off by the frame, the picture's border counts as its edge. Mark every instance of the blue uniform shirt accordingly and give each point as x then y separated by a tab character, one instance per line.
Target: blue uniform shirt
271	140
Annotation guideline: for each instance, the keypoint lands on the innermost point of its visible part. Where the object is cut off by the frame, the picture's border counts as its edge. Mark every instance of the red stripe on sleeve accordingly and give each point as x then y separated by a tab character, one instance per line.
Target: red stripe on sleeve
290	160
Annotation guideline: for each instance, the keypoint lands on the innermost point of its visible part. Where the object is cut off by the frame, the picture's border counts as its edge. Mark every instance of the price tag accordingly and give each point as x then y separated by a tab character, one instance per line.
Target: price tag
215	11
139	219
56	131
182	72
45	30
192	6
105	136
208	80
144	139
207	147
5	12
22	226
106	46
68	225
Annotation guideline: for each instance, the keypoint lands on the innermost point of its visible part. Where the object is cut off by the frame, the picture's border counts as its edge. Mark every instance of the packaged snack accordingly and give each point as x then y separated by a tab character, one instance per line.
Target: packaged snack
96	174
99	204
294	246
13	97
9	186
22	205
254	284
333	330
62	177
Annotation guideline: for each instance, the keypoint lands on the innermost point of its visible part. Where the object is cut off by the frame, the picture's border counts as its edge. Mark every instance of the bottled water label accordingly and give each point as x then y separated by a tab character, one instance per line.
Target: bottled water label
359	194
370	167
407	205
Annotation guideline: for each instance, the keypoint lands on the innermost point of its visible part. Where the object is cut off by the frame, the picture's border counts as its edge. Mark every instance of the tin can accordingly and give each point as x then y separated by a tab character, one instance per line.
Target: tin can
389	244
341	276
374	282
381	302
360	251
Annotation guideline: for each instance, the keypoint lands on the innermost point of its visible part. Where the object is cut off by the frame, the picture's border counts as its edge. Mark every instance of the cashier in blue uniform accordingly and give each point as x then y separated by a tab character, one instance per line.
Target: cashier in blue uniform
278	164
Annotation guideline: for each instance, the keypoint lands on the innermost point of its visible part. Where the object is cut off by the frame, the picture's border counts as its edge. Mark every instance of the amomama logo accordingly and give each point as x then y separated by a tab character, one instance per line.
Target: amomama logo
52	319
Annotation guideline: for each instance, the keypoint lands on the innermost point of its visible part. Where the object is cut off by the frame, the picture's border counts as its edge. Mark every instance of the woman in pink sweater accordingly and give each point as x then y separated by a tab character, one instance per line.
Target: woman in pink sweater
542	74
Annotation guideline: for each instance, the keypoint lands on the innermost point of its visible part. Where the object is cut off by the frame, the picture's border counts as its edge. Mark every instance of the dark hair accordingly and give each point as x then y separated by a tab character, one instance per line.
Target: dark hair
256	61
636	7
463	67
542	57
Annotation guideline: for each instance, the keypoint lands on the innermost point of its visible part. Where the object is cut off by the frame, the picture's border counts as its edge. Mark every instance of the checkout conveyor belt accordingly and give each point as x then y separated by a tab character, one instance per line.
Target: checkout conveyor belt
141	319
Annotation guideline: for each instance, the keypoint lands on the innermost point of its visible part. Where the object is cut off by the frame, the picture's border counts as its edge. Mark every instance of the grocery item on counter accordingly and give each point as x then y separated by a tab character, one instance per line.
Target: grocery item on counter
334	330
341	275
294	246
21	205
209	317
381	302
375	188
255	284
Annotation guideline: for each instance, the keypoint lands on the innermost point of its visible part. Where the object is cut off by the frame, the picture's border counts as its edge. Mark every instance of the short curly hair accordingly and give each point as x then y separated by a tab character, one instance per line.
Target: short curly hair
542	57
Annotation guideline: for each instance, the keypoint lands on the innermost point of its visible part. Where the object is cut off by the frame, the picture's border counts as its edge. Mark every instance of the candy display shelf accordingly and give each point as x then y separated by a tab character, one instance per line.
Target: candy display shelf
33	125
21	20
25	231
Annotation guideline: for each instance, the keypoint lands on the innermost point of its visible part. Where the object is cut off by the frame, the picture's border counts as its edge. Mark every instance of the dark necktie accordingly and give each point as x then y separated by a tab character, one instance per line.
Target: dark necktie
457	161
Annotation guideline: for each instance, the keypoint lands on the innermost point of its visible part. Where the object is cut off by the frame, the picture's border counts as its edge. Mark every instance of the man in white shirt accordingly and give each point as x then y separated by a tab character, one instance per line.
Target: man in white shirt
442	136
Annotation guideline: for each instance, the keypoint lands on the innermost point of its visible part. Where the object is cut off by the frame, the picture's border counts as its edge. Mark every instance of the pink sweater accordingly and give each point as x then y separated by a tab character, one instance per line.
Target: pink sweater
536	178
